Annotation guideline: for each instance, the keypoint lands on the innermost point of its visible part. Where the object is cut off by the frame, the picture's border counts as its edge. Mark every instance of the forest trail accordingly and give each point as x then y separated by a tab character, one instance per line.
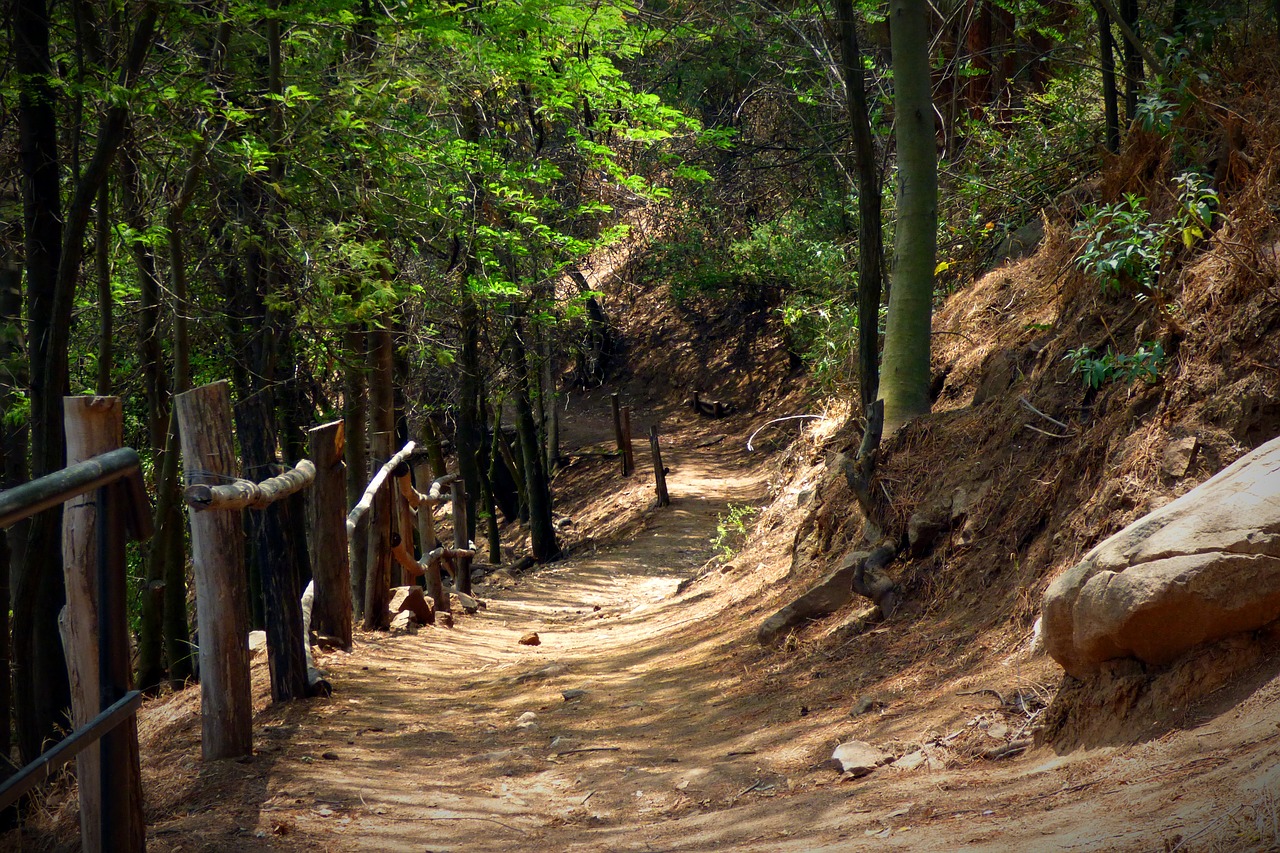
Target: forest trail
685	736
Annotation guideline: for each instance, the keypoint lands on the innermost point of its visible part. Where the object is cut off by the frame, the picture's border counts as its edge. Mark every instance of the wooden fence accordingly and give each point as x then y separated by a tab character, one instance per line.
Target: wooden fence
386	513
95	624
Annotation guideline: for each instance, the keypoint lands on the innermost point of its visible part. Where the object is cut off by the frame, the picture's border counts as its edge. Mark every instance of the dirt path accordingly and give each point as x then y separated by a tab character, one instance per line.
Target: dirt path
648	719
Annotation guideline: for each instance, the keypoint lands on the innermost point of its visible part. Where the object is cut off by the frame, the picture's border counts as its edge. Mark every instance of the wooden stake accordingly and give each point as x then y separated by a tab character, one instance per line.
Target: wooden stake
628	451
617	431
659	473
462	564
326	510
222	606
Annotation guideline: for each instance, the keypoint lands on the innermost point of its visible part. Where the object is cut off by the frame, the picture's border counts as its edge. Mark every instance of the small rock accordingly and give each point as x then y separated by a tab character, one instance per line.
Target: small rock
858	758
865	704
330	756
404	623
528	726
1178	457
468	603
551	670
526	717
998	731
411	598
575	693
531	639
257	643
502	579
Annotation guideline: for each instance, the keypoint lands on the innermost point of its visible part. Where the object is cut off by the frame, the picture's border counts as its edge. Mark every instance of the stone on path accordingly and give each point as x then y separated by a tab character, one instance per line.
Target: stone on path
857	758
531	639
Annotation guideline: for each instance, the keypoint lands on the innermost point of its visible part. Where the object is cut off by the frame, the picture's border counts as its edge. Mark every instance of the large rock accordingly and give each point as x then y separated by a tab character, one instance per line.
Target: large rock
1200	568
834	591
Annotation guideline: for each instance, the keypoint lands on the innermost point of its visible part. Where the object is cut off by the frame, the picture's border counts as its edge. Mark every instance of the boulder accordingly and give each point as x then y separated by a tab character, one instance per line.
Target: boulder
1198	569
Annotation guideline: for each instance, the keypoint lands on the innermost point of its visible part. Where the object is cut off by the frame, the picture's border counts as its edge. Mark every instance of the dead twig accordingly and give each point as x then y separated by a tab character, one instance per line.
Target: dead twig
1050	434
589	749
1027	403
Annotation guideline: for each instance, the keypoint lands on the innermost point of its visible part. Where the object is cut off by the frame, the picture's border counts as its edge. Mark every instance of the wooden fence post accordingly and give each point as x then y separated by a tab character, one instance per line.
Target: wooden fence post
93	425
430	544
122	822
217	545
461	565
628	451
659	473
617	432
326	519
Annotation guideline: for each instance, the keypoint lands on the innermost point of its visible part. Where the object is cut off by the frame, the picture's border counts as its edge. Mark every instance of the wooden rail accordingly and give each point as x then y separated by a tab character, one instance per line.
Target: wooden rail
245	494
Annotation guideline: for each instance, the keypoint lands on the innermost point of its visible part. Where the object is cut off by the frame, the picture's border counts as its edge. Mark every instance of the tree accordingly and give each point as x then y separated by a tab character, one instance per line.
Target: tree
904	382
870	232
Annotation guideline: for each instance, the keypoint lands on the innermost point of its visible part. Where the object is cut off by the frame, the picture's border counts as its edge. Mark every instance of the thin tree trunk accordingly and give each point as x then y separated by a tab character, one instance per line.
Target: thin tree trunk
870	233
1132	60
106	303
41	690
467	432
382	404
13	464
904	384
1106	48
542	531
355	414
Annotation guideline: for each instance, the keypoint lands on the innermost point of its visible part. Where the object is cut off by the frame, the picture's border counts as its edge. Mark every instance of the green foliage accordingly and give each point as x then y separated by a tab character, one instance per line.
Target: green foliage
1121	244
1124	247
1005	172
1095	371
732	528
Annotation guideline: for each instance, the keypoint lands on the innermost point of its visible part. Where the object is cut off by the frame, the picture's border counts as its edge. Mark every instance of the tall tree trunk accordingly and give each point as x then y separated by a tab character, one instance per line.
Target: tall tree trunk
467	437
550	398
542	531
1107	56
870	234
1132	60
156	387
904	383
13	456
106	303
383	428
355	414
41	689
281	558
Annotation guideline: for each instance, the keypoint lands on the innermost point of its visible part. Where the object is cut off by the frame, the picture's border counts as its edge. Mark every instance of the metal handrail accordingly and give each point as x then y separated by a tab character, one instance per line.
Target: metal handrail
50	490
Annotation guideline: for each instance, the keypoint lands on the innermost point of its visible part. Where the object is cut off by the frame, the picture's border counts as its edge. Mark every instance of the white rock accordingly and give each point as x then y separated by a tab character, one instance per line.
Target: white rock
858	758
